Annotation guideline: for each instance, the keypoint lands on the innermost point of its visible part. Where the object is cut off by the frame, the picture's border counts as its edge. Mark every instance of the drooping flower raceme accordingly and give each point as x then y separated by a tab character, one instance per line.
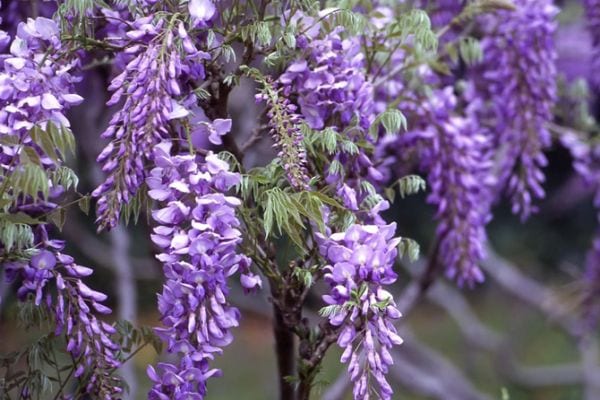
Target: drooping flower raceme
54	281
455	153
360	266
592	14
198	234
519	68
36	89
150	89
331	82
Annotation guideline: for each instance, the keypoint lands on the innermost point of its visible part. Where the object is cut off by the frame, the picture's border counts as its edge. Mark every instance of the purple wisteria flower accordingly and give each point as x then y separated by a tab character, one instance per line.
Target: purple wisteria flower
331	83
149	89
36	89
592	15
519	67
201	11
455	153
53	280
198	234
36	83
360	265
442	12
333	92
13	12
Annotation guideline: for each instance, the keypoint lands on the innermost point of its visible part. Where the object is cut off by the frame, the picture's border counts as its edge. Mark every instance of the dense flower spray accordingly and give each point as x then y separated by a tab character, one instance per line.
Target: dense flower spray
54	281
335	106
518	66
334	94
331	82
163	57
361	261
36	88
198	234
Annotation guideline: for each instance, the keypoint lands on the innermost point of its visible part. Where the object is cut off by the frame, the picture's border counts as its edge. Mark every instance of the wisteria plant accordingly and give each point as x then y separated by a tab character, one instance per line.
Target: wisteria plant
361	103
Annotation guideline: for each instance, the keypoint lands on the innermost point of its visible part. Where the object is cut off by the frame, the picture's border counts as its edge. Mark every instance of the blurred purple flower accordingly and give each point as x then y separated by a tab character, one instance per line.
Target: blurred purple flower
592	15
519	66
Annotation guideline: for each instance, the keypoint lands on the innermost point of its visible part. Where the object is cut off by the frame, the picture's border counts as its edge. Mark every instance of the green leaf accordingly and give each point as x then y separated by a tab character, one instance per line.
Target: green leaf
282	213
409	248
290	40
65	177
16	235
9	140
470	51
392	121
330	310
20	218
84	204
30	156
58	218
44	140
29	180
411	184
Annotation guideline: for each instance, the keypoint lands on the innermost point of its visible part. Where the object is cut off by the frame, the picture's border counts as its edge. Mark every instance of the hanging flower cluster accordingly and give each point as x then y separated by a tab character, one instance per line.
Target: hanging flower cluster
333	92
455	154
518	66
330	82
592	14
361	265
36	89
163	57
36	85
198	234
173	68
54	281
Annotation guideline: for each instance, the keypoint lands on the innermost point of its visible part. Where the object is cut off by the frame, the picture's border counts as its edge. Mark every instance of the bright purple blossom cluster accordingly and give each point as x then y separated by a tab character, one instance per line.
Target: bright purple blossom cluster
36	83
333	91
198	234
518	67
54	281
330	82
361	261
12	13
163	58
